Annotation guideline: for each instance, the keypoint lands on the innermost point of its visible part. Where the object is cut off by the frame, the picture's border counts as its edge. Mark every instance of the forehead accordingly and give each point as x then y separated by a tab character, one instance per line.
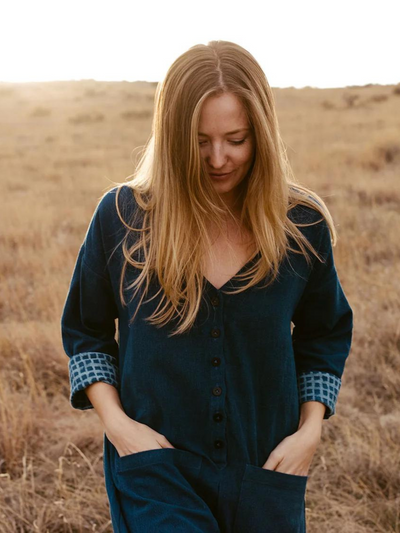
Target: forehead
222	114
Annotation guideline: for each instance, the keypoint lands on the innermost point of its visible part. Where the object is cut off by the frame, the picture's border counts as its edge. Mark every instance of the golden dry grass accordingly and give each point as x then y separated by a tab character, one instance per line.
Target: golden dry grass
62	145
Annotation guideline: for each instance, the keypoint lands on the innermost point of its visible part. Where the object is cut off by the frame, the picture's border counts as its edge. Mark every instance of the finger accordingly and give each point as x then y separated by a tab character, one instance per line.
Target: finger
271	463
168	445
164	443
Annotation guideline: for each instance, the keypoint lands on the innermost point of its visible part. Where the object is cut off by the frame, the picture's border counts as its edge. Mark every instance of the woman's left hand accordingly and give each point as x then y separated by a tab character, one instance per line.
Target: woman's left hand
295	453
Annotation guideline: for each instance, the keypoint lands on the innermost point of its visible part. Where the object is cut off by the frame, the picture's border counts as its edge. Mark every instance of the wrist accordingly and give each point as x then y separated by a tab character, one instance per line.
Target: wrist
114	417
310	426
311	416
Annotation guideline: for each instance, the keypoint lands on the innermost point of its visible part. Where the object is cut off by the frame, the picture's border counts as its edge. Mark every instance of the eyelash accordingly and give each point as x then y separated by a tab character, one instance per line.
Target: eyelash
235	143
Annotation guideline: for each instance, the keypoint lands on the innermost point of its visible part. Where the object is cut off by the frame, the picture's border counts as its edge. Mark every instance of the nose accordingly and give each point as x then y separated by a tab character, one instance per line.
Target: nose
216	158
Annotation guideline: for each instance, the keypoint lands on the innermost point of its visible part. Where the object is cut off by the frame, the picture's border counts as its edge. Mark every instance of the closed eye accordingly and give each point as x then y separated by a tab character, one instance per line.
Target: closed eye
232	142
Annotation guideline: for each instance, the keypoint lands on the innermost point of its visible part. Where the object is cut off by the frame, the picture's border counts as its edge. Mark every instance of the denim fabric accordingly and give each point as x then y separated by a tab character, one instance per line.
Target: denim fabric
177	491
88	368
224	394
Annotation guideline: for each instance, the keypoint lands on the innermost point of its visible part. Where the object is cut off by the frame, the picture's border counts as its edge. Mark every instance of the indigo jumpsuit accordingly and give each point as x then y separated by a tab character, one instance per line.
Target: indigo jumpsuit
224	394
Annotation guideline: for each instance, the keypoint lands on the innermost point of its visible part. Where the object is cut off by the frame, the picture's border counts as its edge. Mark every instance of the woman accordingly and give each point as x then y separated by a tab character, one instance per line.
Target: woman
212	406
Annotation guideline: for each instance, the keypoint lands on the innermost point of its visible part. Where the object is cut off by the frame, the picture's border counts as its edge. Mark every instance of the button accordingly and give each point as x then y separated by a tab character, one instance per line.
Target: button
215	301
216	361
215	332
218	417
217	391
219	443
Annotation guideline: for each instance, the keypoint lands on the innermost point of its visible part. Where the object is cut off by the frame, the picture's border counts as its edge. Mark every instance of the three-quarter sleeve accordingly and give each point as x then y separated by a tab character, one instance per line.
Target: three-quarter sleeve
322	334
88	317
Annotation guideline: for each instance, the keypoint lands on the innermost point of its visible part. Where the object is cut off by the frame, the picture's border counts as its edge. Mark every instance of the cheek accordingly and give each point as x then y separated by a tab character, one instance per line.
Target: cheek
245	156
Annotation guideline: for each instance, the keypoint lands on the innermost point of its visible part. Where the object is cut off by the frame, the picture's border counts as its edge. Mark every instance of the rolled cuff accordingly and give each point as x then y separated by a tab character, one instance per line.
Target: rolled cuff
321	387
87	368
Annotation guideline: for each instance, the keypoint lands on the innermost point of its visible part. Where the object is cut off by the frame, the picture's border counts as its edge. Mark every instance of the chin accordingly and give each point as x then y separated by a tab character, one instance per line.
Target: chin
225	189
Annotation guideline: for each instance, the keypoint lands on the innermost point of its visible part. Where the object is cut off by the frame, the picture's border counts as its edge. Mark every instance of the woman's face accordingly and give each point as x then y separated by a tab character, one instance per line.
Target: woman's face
226	142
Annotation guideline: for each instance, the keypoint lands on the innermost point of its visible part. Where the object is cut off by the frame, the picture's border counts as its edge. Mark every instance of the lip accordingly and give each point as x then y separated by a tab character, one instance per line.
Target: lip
221	176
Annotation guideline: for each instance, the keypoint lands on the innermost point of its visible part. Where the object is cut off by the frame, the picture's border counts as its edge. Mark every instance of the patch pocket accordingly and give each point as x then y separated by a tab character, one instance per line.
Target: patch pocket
163	476
175	456
270	502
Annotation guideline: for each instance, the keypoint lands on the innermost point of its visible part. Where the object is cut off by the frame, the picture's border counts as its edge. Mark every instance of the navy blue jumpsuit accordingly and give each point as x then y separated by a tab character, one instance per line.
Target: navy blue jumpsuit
224	394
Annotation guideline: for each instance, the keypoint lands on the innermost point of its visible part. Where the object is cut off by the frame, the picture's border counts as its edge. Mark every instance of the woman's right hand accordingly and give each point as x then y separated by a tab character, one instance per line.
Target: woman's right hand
129	436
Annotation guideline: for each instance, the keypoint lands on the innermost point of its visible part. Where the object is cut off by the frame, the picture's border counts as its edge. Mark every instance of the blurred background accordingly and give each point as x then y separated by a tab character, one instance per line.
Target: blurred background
77	85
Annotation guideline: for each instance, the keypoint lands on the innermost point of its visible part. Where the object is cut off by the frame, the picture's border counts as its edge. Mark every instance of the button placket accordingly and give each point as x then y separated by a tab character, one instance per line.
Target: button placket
217	390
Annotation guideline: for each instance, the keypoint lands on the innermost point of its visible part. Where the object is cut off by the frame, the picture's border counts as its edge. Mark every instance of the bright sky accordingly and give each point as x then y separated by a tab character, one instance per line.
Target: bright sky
320	43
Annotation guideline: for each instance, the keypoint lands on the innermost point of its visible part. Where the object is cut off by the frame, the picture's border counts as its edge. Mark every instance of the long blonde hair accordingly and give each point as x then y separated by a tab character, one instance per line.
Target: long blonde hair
175	195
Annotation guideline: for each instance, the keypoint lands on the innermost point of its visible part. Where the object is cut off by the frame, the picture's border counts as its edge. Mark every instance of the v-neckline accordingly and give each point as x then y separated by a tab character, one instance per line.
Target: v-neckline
231	278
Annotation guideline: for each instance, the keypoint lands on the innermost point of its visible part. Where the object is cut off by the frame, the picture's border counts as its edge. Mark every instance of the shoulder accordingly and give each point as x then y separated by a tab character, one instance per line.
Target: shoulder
107	212
306	214
315	228
107	205
106	224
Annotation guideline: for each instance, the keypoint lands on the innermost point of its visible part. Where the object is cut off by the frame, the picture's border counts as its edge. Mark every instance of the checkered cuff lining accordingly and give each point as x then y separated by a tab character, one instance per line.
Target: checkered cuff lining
321	387
87	368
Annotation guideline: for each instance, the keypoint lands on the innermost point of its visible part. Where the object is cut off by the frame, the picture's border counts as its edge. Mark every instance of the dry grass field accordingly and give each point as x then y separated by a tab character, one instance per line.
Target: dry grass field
62	145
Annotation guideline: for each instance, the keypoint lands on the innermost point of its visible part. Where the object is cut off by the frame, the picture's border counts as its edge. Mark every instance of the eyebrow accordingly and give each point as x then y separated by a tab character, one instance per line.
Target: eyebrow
229	132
